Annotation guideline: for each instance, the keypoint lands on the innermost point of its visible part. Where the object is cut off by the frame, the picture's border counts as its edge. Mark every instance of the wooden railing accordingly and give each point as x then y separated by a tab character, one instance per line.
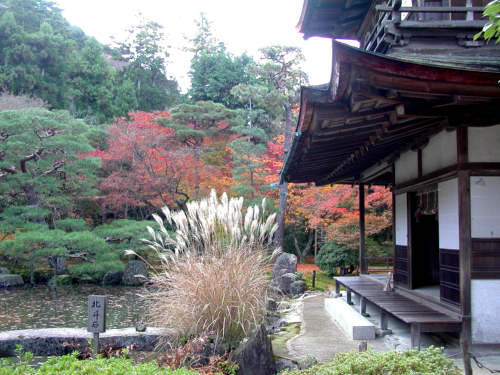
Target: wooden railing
397	9
382	33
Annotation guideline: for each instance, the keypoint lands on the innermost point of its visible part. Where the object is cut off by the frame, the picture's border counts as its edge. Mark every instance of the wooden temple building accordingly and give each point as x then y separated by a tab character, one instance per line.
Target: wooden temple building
415	108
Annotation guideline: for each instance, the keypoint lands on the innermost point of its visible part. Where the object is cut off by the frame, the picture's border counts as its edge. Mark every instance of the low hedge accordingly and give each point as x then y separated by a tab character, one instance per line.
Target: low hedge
70	364
430	361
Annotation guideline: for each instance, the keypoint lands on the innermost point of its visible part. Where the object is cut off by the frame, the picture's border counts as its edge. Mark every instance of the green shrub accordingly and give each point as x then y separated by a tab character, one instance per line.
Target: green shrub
69	364
410	362
72	225
333	255
104	262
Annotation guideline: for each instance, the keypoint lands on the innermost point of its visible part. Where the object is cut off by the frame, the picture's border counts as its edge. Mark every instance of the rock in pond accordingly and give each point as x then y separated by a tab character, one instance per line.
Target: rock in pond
11	280
85	280
112	278
62	266
61	280
136	273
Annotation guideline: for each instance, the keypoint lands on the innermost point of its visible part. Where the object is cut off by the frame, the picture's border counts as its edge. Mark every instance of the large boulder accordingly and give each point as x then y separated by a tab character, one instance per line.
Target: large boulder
11	280
284	267
285	364
136	273
112	278
297	288
255	356
205	347
86	279
62	266
61	280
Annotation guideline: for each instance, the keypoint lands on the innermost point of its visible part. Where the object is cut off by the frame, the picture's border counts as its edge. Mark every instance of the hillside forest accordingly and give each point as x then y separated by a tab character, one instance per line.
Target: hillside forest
95	139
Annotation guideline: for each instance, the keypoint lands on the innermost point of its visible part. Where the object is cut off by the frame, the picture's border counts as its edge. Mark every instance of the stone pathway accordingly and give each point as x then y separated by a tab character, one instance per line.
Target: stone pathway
321	337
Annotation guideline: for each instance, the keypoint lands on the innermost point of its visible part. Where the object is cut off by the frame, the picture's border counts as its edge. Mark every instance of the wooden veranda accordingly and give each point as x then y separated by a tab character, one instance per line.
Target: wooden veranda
420	315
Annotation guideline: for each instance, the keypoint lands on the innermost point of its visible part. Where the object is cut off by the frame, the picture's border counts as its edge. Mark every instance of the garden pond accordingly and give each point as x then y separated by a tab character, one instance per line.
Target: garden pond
66	306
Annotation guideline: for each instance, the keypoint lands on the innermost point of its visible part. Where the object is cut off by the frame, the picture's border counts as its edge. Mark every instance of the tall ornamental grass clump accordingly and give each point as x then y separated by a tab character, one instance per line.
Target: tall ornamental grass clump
213	275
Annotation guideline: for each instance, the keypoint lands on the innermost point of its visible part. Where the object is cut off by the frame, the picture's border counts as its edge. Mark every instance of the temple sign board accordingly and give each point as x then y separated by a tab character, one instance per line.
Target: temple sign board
97	306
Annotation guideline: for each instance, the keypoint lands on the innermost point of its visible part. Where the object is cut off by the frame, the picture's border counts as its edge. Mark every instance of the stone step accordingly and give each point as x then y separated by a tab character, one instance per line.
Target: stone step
355	326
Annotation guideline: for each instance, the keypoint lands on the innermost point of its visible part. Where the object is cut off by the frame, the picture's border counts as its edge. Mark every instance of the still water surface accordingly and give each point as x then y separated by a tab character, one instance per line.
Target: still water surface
44	307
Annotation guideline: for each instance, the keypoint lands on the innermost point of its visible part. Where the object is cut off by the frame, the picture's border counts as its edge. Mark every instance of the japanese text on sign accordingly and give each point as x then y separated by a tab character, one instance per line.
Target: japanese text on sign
97	314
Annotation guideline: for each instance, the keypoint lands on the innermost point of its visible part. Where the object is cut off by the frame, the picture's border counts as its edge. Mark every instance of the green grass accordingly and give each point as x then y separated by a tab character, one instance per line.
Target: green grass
279	341
322	282
291	330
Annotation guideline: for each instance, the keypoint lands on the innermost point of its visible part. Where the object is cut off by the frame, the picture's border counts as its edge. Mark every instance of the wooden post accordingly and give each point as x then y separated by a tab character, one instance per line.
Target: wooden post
32	272
466	357
95	343
384	320
349	296
363	346
362	248
96	323
55	272
464	223
314	278
415	336
362	307
387	286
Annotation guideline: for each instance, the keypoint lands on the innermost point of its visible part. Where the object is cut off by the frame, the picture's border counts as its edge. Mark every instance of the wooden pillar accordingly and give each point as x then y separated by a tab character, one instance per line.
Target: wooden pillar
362	248
393	169
384	320
349	296
464	219
362	306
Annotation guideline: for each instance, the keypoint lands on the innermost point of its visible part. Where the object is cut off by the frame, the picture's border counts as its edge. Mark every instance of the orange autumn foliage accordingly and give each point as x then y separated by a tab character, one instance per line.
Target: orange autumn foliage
146	167
332	209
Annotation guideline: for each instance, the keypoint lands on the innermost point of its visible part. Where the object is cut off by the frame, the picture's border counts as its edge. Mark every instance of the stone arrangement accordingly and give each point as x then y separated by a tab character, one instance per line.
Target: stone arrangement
9	280
284	270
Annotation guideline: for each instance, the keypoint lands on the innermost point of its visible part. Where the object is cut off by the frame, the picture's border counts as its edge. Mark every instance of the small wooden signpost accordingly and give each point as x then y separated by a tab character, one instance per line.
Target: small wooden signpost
96	322
388	287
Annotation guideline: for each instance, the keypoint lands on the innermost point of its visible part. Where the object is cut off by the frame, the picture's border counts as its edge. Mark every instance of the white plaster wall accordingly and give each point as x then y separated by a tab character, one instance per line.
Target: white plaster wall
485	206
401	220
407	167
483	144
440	152
449	235
485	306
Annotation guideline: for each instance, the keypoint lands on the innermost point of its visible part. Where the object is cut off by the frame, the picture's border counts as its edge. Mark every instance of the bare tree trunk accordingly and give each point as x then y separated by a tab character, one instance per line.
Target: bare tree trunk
32	272
33	200
279	236
303	253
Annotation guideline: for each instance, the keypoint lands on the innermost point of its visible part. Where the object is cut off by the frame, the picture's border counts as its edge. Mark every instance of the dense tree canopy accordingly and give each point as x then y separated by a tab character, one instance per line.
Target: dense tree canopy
40	161
43	56
146	66
231	132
